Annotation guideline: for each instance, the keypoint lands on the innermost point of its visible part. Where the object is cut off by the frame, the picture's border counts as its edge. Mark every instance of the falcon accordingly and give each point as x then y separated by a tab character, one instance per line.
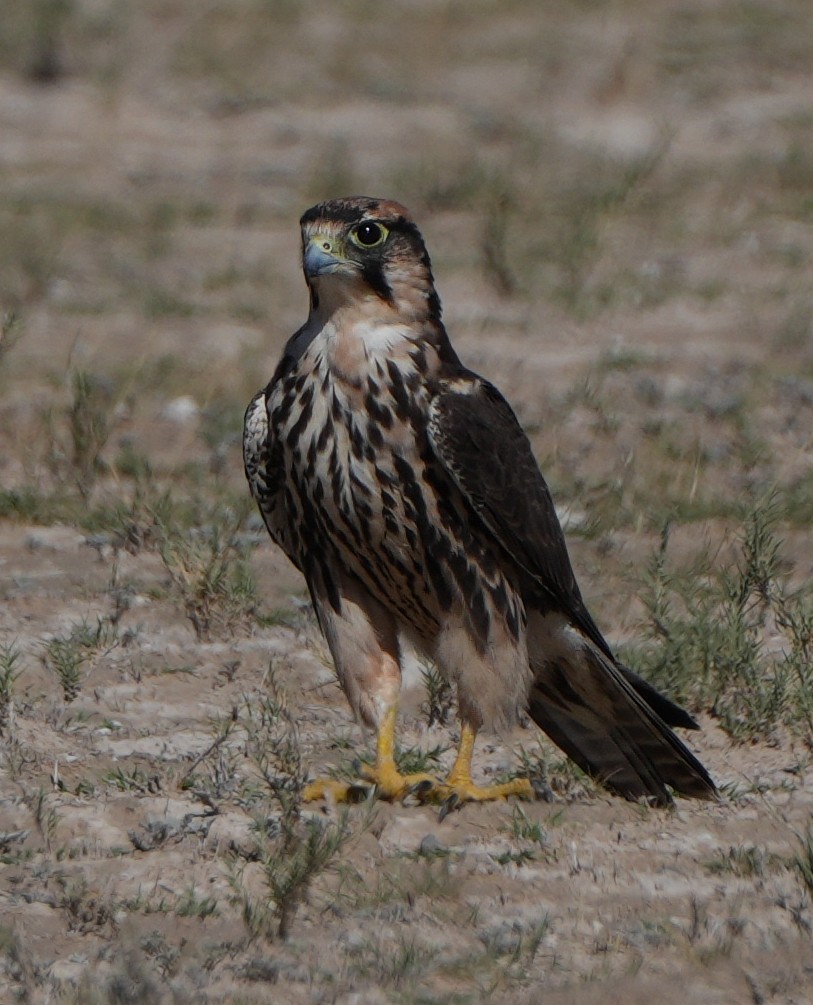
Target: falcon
404	489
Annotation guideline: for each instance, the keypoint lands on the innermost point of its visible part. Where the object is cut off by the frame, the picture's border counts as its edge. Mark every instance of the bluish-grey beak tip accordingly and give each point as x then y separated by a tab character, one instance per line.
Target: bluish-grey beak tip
317	262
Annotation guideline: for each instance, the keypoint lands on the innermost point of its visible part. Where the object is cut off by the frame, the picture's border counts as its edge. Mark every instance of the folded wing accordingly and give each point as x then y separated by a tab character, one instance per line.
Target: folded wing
613	723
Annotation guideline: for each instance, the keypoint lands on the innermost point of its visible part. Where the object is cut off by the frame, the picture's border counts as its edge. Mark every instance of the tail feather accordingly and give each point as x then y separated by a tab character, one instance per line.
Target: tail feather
604	721
671	713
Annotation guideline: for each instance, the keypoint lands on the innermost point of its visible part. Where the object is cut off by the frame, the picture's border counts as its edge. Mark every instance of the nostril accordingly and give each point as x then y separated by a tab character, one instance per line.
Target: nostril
326	245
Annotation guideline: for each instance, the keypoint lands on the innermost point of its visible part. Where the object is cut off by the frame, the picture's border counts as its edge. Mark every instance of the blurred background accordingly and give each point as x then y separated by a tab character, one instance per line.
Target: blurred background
617	196
618	201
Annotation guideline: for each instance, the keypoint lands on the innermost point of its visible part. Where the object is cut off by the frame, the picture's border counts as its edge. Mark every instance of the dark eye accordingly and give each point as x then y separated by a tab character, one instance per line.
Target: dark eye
369	234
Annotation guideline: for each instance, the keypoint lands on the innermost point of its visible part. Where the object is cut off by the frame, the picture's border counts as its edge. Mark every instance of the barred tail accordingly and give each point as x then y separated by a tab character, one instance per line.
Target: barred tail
607	720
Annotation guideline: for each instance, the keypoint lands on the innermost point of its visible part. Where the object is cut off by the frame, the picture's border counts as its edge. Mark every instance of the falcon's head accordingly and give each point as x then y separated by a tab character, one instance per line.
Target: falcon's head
359	247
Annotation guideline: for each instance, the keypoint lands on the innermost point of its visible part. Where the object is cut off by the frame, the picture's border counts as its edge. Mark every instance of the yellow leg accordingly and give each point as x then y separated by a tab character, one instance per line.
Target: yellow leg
389	783
388	780
459	788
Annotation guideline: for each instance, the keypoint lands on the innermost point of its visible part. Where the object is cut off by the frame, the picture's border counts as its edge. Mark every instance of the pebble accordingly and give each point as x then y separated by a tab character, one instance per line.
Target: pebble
181	410
430	845
54	538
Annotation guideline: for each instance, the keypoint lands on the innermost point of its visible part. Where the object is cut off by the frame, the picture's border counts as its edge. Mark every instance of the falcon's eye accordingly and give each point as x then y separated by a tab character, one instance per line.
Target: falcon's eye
368	234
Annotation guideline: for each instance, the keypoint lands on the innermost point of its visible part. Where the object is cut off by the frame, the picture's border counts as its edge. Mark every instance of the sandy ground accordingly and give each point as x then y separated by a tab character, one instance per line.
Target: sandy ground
617	199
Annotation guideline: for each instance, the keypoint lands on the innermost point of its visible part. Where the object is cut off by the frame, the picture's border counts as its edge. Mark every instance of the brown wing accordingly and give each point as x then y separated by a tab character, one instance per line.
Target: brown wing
611	722
265	472
479	440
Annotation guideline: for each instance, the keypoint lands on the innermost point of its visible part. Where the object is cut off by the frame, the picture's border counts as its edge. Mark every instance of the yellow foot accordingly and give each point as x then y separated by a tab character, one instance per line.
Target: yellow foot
387	782
452	793
458	788
391	785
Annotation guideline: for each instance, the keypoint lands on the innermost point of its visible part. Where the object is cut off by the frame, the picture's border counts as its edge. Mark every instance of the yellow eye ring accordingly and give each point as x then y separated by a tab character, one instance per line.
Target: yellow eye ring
369	234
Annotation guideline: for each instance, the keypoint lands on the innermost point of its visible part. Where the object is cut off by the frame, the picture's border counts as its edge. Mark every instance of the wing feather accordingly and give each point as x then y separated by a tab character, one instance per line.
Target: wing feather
586	706
612	722
265	471
479	440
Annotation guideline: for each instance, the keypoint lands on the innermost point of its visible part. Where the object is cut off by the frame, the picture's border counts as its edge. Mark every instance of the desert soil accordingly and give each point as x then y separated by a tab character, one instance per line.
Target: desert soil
618	201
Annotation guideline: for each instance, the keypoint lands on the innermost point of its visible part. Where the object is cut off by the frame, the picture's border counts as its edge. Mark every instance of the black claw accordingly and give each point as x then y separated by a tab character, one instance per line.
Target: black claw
422	788
542	790
358	792
449	806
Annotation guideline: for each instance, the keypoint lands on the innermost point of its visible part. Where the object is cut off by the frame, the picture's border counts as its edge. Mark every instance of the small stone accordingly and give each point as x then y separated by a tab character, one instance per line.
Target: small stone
66	973
262	969
54	538
181	410
430	845
503	938
353	942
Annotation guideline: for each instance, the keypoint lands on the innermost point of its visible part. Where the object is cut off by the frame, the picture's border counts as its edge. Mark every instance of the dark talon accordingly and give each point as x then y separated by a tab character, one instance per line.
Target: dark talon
449	806
422	788
358	792
542	790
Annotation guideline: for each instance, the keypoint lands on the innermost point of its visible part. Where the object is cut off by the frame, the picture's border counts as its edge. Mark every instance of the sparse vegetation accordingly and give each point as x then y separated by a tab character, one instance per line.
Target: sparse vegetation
45	817
439	695
11	330
192	905
803	860
214	771
526	830
10	671
209	572
292	849
394	965
746	860
710	625
133	779
413	760
89	424
617	200
580	212
554	772
66	654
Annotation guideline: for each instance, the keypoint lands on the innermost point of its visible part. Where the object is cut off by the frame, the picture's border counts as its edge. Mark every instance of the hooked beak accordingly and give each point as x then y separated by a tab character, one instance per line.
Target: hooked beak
320	257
